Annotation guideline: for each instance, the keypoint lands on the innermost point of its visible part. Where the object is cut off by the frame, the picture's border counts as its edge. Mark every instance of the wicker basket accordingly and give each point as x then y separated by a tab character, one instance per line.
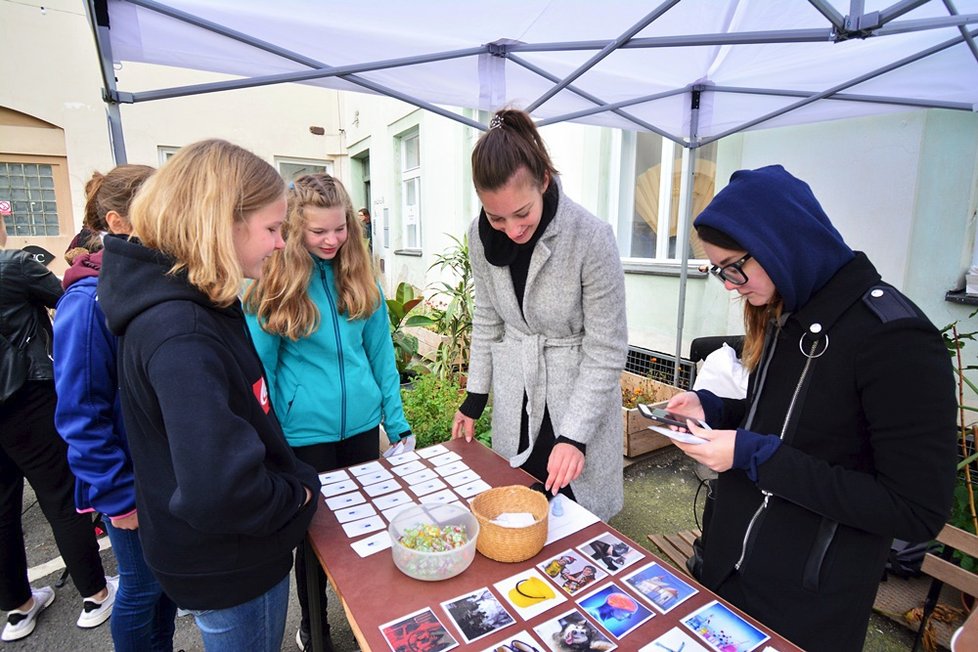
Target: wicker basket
506	543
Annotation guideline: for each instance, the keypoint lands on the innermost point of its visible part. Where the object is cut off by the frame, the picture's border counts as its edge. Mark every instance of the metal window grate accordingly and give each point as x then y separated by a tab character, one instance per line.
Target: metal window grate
659	366
30	189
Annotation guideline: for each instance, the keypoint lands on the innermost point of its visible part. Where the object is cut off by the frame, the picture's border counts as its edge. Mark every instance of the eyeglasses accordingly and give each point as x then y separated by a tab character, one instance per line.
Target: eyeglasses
732	273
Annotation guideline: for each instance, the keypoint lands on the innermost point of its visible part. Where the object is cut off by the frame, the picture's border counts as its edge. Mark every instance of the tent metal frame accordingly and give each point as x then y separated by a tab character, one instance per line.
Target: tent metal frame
858	24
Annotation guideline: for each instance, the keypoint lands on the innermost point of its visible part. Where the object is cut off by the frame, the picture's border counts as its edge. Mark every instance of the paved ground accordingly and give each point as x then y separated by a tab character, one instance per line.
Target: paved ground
659	492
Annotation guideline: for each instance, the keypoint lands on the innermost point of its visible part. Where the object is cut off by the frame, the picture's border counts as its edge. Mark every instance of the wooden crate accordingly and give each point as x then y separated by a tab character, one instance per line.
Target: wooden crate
428	340
637	439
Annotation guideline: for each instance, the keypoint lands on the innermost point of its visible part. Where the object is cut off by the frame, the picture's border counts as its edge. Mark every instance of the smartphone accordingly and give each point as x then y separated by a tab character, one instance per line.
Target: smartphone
668	418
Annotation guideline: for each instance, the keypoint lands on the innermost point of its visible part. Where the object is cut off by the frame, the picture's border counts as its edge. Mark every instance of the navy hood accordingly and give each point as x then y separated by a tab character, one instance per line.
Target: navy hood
776	218
135	278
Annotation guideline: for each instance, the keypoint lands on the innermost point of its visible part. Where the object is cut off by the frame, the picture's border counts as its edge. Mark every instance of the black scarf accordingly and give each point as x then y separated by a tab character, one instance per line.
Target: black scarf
499	249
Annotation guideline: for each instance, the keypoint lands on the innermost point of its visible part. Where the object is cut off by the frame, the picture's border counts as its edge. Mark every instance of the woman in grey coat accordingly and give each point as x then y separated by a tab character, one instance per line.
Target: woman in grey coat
549	335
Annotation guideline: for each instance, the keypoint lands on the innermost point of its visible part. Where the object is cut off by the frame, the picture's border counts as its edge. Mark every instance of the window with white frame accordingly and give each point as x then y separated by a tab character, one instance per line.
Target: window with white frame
31	188
165	153
293	168
411	189
649	208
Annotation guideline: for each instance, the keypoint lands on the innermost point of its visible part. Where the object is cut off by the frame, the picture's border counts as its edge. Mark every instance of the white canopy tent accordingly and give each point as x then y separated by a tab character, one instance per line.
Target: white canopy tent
693	71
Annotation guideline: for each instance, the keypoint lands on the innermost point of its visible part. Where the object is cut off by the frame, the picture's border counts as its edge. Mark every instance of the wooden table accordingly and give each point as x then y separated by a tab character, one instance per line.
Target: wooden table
374	592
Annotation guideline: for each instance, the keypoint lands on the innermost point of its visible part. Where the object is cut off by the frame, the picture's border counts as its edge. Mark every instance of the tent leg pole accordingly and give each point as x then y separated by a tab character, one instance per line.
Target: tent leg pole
683	226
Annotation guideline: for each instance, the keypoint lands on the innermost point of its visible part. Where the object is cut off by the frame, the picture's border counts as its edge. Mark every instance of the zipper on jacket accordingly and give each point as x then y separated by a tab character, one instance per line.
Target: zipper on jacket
784	428
339	349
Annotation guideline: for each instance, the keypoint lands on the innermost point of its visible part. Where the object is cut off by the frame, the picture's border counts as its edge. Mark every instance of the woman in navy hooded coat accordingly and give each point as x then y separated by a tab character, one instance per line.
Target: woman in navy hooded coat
846	439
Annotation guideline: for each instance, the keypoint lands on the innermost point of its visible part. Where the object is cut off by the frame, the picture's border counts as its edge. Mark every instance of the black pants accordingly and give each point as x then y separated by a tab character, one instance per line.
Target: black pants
536	463
357	449
31	447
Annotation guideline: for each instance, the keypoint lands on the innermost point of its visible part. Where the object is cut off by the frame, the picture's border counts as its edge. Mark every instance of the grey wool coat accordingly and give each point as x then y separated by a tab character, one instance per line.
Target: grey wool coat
566	349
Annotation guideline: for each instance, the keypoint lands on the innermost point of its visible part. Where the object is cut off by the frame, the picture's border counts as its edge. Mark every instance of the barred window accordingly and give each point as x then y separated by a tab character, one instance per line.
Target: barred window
30	190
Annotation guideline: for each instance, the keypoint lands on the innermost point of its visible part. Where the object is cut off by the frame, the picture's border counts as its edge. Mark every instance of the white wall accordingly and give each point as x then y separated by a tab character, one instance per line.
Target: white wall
900	187
50	70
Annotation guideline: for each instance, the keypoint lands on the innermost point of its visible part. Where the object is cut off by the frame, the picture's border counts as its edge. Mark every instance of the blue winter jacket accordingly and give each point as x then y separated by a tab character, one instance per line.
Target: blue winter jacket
339	381
89	414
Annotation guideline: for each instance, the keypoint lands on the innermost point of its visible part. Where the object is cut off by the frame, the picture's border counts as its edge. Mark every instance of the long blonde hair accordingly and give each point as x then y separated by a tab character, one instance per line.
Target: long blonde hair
188	209
280	299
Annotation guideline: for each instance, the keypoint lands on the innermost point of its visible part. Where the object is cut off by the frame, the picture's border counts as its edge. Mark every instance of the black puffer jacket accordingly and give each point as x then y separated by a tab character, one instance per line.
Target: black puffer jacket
27	289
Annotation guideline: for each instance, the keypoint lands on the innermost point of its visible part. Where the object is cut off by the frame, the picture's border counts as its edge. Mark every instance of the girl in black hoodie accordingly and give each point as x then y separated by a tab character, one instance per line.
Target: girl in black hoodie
222	500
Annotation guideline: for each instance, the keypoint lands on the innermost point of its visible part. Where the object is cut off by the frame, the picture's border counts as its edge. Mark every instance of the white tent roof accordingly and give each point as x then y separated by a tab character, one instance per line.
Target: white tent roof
620	63
693	71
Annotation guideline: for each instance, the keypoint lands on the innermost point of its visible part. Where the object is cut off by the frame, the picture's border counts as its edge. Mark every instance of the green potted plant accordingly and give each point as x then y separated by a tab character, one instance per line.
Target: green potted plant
406	298
453	320
430	406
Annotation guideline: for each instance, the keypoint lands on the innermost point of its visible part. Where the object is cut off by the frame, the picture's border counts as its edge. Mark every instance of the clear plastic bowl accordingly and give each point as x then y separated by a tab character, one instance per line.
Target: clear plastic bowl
433	566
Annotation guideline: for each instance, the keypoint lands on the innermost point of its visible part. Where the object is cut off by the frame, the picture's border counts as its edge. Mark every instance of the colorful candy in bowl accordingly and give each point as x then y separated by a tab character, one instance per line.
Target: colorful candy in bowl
433	542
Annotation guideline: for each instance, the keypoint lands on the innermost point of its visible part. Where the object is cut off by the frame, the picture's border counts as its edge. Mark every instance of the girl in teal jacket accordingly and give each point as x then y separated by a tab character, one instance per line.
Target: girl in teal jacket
320	325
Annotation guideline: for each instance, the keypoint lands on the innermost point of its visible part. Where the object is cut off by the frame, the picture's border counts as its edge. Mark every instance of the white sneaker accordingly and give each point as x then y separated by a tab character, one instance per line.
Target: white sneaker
20	624
95	613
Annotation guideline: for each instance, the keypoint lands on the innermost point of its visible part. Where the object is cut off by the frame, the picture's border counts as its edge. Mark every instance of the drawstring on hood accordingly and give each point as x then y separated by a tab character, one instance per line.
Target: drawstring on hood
777	219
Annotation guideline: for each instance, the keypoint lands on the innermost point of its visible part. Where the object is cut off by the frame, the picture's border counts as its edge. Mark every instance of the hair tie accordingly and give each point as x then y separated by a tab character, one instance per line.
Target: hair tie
496	122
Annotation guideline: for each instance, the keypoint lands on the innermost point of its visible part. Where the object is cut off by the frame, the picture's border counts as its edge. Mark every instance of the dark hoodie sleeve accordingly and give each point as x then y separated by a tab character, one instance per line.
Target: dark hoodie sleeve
224	480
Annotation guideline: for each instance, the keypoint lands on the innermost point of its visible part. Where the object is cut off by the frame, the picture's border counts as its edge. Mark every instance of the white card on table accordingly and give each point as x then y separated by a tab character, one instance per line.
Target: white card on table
409	456
369	467
464	477
451	468
338	488
381	488
389	514
419	476
472	488
374	476
364	526
372	544
445	458
346	500
333	476
427	487
439	498
390	500
431	451
354	513
410	467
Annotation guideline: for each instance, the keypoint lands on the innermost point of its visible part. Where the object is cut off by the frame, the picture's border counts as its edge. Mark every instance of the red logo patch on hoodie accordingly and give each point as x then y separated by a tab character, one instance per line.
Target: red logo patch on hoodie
261	393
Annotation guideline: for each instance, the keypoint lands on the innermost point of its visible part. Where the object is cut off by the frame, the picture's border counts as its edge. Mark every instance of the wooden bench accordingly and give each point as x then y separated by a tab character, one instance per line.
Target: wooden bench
676	547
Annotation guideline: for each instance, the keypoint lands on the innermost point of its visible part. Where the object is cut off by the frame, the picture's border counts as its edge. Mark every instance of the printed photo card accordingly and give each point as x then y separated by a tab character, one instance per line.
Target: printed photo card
571	571
477	614
723	630
611	553
529	594
572	631
518	642
675	640
659	586
615	610
420	630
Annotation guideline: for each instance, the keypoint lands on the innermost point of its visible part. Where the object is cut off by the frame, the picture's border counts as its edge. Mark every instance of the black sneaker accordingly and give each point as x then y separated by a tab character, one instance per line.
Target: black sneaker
303	639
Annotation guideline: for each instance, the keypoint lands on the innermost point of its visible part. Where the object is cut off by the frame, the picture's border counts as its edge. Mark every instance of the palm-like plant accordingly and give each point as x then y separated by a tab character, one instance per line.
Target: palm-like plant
405	299
454	321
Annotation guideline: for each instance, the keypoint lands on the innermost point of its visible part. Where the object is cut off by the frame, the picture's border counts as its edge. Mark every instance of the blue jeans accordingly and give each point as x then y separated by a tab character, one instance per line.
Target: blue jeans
142	617
257	625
